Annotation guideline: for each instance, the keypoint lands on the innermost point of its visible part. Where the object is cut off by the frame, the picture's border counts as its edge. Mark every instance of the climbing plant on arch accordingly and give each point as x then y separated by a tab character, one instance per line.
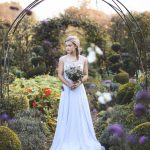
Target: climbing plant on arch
50	31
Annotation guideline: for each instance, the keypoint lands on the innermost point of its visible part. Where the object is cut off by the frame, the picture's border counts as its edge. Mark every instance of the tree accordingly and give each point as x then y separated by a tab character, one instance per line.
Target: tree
21	43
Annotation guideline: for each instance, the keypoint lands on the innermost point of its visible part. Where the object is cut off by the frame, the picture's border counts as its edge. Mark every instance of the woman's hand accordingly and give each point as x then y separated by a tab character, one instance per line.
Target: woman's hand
76	84
70	85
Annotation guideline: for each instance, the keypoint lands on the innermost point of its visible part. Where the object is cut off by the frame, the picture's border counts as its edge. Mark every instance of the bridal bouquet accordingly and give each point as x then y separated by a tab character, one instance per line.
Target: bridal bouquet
74	73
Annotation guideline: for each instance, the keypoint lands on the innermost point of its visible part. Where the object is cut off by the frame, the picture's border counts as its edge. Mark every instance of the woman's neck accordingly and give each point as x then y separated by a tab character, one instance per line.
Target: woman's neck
72	55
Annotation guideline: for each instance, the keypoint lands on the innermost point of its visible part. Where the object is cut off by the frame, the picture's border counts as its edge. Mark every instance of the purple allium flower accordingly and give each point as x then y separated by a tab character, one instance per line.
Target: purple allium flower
142	95
140	109
131	139
117	130
90	86
143	139
47	43
14	8
29	12
107	81
4	117
55	49
44	22
11	120
132	80
94	110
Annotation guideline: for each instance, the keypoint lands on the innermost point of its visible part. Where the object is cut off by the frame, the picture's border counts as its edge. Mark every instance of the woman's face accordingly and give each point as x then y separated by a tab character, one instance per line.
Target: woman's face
70	47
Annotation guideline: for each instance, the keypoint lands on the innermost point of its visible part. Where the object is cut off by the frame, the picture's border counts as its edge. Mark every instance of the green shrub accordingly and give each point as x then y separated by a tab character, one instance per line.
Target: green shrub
140	130
40	70
122	77
124	114
114	58
125	93
116	46
14	104
34	89
121	114
17	72
110	142
31	129
8	139
8	77
101	122
36	61
115	67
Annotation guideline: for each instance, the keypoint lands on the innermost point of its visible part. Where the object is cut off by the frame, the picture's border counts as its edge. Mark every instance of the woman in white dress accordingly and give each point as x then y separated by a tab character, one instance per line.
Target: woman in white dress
74	130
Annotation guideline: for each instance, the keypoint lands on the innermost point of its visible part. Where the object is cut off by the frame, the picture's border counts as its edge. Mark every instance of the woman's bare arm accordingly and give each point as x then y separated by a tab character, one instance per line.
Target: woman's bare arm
61	72
85	70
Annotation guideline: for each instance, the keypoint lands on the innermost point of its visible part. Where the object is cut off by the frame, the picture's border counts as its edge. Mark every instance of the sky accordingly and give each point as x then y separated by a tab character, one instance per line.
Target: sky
52	8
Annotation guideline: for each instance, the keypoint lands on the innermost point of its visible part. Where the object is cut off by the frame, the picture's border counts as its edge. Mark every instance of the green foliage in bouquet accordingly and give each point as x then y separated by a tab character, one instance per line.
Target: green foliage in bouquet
74	73
122	77
31	130
125	93
141	130
14	104
9	139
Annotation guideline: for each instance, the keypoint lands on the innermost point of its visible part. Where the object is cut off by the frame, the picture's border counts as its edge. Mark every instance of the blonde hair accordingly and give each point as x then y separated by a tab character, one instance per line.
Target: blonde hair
75	40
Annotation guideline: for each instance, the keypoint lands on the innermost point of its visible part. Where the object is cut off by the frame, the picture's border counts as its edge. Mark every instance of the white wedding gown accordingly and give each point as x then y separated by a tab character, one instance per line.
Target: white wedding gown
74	130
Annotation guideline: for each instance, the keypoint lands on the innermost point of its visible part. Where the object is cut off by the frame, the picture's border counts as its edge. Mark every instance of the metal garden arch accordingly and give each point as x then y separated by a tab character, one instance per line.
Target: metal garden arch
118	8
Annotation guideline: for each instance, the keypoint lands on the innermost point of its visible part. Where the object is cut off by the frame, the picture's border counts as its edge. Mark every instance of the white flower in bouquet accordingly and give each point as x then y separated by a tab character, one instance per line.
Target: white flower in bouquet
74	73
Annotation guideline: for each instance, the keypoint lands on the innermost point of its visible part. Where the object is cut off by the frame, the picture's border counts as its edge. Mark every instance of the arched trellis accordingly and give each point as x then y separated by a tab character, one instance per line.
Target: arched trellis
57	25
4	68
53	30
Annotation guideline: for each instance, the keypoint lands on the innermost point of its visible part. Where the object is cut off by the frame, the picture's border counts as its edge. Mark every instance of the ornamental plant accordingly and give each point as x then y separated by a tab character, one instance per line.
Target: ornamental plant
9	139
42	91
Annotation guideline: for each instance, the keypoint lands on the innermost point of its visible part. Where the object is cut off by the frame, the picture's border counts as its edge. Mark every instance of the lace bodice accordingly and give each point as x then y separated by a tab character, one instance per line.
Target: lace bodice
68	63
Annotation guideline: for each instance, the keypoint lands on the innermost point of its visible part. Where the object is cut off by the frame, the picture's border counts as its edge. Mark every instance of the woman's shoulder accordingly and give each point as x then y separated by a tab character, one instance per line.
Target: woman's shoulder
62	58
83	57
